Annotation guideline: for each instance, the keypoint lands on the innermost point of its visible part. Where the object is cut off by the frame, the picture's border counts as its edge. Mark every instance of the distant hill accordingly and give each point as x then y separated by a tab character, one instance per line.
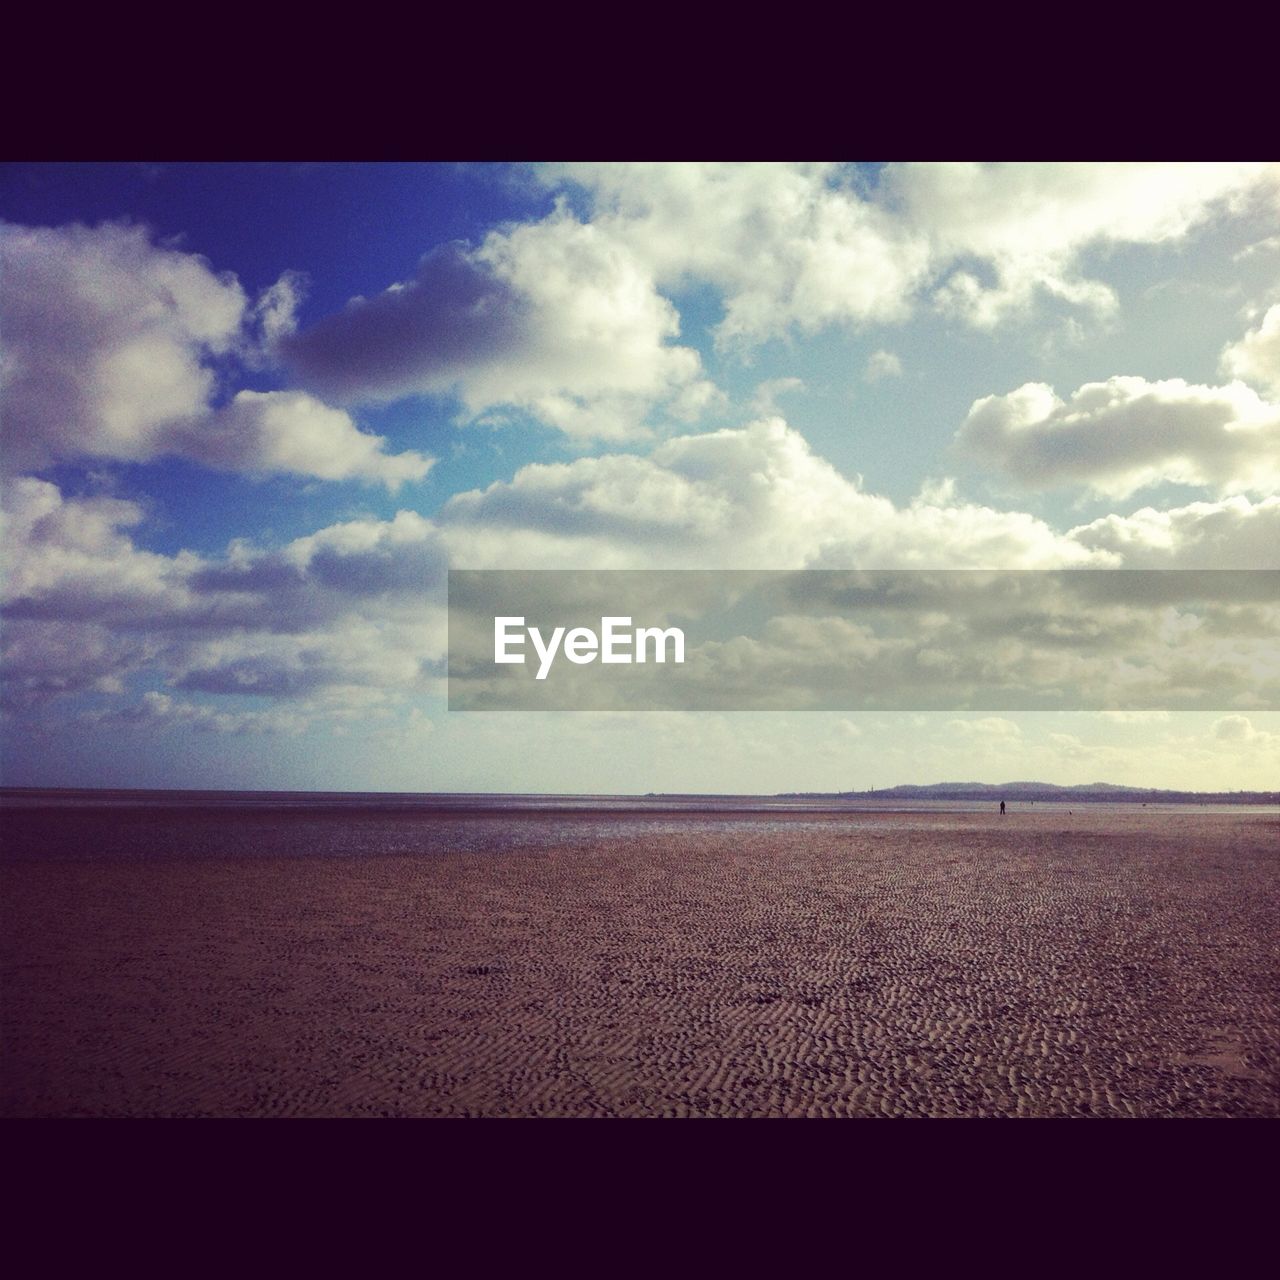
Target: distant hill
1095	791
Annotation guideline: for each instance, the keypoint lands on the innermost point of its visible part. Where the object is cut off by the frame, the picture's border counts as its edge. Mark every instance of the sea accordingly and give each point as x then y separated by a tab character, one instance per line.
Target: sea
88	825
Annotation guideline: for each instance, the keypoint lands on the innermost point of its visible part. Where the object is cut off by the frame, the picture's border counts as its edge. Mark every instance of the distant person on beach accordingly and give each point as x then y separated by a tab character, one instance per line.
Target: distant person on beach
1002	808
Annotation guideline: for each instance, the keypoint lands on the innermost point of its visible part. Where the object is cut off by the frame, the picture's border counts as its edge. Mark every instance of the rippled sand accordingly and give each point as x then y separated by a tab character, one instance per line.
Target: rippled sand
1105	964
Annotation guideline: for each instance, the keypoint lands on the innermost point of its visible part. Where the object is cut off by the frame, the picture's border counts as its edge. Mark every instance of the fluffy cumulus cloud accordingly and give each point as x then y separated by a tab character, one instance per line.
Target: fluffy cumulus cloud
572	318
119	348
357	606
351	620
361	604
753	497
112	350
552	318
291	432
75	558
1256	357
1232	533
1125	434
787	246
1000	234
108	340
803	246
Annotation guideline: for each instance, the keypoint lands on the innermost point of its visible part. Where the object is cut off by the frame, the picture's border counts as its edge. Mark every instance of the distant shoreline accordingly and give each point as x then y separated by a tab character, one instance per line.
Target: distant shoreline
1041	792
910	798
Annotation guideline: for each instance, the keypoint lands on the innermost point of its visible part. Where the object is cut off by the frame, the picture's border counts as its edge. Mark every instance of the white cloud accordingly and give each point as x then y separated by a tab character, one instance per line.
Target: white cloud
599	336
571	319
755	497
554	318
788	246
1256	357
107	339
277	306
1233	533
764	403
807	246
1125	434
359	605
69	558
1006	232
53	657
110	344
290	432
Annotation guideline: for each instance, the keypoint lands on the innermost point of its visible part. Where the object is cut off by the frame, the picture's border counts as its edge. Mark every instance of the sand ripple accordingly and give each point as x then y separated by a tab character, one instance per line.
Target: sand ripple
945	965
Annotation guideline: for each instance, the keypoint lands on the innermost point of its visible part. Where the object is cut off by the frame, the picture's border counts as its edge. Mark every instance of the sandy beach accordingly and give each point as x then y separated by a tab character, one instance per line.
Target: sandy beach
1098	963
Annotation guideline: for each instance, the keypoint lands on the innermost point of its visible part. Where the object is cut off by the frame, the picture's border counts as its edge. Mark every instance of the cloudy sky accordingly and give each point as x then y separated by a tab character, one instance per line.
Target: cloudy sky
250	416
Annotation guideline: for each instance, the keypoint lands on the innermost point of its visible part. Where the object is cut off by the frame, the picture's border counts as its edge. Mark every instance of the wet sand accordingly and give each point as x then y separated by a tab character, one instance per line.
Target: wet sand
1104	963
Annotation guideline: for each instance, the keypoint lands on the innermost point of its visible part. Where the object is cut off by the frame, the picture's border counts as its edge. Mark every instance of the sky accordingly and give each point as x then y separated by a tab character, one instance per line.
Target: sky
250	415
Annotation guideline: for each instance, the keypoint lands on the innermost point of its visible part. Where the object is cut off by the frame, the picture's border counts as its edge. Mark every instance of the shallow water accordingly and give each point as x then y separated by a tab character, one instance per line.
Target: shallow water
93	825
